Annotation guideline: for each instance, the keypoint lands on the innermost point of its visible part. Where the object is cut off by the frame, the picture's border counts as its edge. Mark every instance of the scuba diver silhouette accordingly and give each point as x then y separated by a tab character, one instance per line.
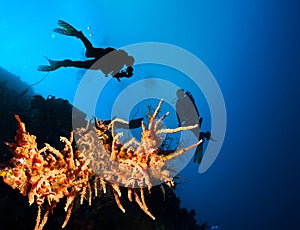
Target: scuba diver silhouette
185	102
112	64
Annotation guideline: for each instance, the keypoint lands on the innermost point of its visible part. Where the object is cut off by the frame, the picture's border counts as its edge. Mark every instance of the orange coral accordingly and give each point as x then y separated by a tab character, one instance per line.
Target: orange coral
47	175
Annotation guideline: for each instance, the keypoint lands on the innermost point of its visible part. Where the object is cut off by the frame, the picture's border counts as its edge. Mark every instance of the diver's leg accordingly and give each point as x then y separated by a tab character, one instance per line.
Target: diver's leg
66	63
88	45
90	50
78	64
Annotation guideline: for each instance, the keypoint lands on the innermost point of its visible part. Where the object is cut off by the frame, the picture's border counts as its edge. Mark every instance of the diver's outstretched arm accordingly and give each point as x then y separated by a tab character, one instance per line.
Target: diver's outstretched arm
127	74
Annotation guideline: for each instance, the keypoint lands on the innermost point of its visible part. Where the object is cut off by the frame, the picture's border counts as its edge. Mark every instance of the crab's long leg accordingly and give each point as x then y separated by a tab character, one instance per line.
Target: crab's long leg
118	201
131	142
177	129
150	127
160	120
112	124
114	149
181	151
143	206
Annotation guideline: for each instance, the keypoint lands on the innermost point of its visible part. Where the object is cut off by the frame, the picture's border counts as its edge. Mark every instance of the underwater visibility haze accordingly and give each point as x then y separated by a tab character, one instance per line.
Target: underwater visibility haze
252	51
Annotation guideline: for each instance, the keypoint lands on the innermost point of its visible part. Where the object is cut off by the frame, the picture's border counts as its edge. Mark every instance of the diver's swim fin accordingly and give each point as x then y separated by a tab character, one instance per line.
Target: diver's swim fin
53	66
63	31
65	25
198	154
46	68
68	29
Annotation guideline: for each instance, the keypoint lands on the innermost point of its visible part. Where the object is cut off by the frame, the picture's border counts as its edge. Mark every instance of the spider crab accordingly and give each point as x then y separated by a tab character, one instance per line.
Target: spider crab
135	165
139	165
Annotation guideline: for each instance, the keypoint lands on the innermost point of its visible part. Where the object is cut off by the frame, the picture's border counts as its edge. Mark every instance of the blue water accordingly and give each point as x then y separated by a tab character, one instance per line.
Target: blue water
251	47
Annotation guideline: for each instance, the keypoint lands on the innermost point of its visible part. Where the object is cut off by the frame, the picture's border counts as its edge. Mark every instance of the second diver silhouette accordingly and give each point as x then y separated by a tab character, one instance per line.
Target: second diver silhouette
184	103
112	64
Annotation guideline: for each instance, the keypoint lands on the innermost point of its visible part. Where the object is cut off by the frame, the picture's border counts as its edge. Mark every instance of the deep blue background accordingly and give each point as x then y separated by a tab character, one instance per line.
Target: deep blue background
253	50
